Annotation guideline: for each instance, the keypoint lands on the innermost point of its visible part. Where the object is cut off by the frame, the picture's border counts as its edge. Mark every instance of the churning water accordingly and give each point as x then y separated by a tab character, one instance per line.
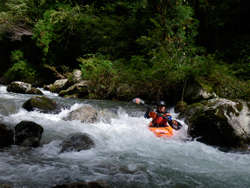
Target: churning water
127	154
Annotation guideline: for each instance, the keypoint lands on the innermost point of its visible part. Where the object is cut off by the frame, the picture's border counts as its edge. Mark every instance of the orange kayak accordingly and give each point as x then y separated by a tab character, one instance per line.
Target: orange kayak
162	131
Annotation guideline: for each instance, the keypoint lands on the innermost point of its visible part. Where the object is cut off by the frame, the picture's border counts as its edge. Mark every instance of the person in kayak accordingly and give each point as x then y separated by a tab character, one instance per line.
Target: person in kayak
161	117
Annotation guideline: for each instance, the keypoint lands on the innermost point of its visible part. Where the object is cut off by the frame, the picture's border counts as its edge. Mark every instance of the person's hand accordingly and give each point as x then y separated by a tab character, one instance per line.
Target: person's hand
169	117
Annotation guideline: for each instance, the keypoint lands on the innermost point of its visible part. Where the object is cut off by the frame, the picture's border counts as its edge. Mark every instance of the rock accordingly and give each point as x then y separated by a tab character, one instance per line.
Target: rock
77	142
34	91
76	76
219	122
59	85
28	133
43	105
22	87
79	90
19	87
7	107
47	87
6	136
94	184
196	92
86	114
107	115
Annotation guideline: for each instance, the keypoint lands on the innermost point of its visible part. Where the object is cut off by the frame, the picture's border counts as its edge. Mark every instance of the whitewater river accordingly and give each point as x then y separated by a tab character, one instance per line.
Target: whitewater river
127	154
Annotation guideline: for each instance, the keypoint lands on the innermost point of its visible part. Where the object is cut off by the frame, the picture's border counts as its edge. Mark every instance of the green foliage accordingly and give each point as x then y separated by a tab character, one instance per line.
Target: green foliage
21	70
101	73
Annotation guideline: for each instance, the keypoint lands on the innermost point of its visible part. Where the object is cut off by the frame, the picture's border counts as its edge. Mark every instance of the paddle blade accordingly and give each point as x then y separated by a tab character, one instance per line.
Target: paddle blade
138	101
175	124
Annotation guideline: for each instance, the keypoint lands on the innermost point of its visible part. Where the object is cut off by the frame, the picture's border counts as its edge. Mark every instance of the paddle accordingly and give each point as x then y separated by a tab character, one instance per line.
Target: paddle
173	123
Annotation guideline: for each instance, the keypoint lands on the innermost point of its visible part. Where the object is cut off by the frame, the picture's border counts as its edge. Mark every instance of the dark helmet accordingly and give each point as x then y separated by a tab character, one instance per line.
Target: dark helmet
161	103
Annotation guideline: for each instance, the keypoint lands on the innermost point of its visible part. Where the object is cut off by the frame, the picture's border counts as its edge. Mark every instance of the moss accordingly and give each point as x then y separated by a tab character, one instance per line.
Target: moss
204	102
206	87
199	105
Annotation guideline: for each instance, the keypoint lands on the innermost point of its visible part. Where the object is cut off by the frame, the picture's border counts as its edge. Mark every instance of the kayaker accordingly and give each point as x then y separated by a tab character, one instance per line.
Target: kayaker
161	117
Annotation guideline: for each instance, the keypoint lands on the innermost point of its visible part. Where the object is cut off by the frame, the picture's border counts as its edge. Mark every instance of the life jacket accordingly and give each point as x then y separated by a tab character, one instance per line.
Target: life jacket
160	120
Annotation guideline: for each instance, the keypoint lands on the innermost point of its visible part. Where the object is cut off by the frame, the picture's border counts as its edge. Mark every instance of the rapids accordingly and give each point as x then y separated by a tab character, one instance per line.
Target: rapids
127	154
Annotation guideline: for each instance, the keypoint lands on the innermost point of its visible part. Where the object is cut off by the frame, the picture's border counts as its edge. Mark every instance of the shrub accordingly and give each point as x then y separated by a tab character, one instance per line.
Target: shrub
21	70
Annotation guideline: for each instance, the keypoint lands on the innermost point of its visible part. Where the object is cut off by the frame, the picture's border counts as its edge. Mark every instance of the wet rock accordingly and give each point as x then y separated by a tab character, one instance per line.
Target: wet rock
78	90
22	87
77	142
6	136
8	107
19	87
28	133
86	114
107	115
34	91
59	85
219	122
43	105
47	87
94	184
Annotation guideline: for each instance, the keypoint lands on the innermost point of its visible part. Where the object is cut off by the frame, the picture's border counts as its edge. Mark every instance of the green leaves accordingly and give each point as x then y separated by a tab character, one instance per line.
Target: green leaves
21	69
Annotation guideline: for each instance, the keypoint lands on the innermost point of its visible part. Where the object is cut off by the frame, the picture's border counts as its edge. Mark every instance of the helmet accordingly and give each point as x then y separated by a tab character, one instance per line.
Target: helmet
161	103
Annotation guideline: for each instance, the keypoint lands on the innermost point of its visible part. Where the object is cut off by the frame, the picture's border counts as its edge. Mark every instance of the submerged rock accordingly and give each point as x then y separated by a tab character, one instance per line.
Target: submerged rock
94	184
28	133
6	136
219	122
86	114
107	115
44	105
77	142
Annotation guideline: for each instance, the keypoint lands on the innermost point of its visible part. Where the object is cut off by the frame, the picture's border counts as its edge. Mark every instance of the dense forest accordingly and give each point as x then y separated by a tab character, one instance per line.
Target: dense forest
152	47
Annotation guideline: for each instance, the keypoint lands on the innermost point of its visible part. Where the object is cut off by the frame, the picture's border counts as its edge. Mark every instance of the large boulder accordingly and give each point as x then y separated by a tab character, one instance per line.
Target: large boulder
77	142
219	122
6	136
59	85
94	184
78	90
86	114
28	133
22	87
44	105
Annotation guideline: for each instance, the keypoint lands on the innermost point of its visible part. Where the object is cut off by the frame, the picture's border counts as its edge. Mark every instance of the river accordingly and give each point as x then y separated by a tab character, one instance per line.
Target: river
127	154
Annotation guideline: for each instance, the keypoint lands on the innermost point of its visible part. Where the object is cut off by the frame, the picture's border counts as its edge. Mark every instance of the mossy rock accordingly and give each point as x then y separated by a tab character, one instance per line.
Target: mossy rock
19	87
43	105
220	122
79	90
